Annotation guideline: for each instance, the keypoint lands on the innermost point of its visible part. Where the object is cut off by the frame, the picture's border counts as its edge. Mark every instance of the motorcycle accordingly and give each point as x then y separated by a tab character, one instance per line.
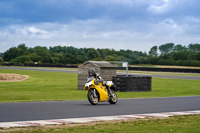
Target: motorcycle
97	91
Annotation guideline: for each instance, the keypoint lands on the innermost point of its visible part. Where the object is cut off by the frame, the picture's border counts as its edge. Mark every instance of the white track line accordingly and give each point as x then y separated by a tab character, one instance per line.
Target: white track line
90	119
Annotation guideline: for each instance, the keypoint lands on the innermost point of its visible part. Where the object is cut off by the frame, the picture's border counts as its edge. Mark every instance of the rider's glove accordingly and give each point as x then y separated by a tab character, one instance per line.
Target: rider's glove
104	83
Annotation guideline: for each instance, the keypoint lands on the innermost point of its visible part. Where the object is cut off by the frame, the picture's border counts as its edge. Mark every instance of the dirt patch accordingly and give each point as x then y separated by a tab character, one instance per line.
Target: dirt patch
4	77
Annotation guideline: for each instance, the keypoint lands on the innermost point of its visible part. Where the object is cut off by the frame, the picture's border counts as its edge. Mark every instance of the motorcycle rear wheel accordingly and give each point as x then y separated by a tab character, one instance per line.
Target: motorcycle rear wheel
91	98
113	99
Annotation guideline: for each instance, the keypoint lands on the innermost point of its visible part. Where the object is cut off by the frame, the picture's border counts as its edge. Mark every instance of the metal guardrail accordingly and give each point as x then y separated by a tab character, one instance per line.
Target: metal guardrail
186	70
156	69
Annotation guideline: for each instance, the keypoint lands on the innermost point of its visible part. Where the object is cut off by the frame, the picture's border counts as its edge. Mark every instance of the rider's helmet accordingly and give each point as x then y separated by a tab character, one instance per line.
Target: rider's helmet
91	72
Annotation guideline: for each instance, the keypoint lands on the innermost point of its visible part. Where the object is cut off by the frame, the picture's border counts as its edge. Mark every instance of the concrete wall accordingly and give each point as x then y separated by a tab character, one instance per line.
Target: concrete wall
106	73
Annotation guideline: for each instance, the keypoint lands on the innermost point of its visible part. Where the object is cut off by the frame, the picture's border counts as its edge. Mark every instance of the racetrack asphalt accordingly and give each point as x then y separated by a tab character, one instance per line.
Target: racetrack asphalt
26	111
75	71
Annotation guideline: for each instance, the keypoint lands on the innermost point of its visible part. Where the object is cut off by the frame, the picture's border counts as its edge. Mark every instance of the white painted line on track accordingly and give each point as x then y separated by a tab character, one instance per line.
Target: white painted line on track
90	119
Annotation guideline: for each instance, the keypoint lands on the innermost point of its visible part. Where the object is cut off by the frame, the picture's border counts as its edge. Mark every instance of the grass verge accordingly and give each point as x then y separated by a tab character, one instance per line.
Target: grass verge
52	86
175	124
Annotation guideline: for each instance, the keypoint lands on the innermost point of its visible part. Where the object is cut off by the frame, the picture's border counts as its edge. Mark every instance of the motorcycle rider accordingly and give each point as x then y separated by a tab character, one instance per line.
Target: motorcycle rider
92	74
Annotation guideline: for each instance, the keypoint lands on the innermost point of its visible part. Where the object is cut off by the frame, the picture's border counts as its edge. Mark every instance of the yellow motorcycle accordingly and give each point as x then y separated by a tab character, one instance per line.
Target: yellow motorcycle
100	91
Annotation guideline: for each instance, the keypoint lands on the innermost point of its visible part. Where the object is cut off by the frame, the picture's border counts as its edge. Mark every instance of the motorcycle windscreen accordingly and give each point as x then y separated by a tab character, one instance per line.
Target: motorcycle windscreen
90	79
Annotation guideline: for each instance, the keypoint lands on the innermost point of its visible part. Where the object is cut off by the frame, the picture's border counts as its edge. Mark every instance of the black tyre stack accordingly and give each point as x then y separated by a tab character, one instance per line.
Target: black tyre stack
132	83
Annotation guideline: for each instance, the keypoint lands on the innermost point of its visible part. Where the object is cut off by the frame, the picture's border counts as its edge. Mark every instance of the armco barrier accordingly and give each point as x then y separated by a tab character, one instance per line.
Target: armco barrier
44	65
186	70
156	69
132	83
54	65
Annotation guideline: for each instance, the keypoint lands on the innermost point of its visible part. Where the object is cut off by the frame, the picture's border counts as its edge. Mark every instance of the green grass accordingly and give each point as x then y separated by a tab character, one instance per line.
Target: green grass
51	86
41	86
175	124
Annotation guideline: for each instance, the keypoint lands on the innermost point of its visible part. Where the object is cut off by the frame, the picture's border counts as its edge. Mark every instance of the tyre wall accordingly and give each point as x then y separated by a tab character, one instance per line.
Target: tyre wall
132	83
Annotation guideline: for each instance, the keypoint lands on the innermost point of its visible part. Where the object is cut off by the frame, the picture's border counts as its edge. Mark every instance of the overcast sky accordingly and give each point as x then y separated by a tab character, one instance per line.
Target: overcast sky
118	24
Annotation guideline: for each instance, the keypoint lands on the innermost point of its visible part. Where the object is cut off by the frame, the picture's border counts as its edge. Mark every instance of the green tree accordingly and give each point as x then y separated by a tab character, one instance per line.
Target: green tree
170	55
180	55
166	48
142	60
23	47
194	47
23	59
1	60
153	51
153	60
59	58
106	52
101	53
178	48
14	52
57	49
198	56
1	54
110	58
34	57
71	54
92	53
43	53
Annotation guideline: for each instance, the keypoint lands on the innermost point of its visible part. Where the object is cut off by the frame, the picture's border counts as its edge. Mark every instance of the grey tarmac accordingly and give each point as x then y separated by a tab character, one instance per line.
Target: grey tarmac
26	111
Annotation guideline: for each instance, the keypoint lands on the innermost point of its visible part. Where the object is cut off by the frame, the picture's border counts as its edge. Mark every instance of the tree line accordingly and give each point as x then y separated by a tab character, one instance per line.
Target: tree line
166	54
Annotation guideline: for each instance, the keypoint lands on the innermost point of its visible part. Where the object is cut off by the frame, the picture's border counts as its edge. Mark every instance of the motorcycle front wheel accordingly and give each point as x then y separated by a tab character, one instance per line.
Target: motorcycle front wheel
92	98
113	99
